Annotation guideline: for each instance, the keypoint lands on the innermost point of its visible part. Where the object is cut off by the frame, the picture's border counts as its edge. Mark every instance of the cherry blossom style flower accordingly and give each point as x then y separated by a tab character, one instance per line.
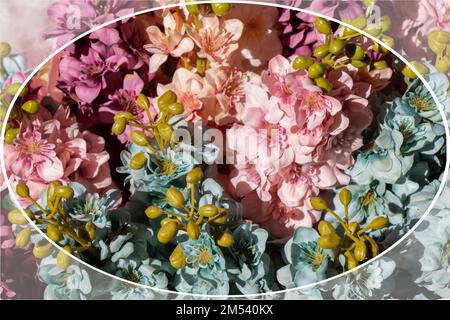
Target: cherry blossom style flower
51	147
172	42
216	39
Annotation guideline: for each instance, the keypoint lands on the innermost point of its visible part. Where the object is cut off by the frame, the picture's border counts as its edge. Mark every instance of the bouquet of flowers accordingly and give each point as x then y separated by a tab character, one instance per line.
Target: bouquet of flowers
217	149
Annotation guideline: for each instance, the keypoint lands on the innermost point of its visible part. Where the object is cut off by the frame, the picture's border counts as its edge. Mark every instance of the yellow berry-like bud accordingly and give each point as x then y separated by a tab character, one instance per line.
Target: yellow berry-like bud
138	161
142	101
166	99
354	51
23	238
378	223
349	31
193	8
64	192
119	126
220	9
374	247
11	135
360	251
165	131
321	51
83	233
385	23
302	62
193	230
178	258
208	210
225	239
5	49
345	196
53	233
443	65
195	175
389	41
31	107
14	88
63	260
381	64
42	249
167	231
329	241
323	26
360	63
153	212
316	70
373	30
337	46
221	217
123	115
175	108
175	198
325	228
323	84
91	229
318	203
16	217
350	260
139	138
22	190
440	36
353	227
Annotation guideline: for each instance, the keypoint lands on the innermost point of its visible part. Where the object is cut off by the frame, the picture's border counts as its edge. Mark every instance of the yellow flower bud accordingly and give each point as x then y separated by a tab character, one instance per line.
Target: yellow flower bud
323	84
11	135
142	101
329	241
91	229
178	258
316	70
220	9
353	227
5	49
354	51
166	99
63	260
31	107
23	238
42	249
14	88
323	26
175	198
381	64
321	51
165	131
153	212
440	36
195	175
345	196
337	46
325	228
138	161
193	230
22	190
139	138
54	233
350	260
193	8
443	65
225	239
220	219
16	217
318	203
378	223
83	233
302	62
374	247
123	115
360	251
51	190
373	30
175	108
359	22
168	231
119	126
208	210
64	192
389	41
385	23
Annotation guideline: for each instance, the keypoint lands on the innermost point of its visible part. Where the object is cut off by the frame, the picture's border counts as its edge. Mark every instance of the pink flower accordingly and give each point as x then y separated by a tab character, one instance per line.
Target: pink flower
52	147
190	89
260	27
172	42
217	40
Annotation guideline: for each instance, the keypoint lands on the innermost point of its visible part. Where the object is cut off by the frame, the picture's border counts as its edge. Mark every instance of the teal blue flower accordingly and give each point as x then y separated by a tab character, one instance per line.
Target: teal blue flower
370	201
418	99
148	273
248	264
70	284
381	161
308	263
86	206
205	270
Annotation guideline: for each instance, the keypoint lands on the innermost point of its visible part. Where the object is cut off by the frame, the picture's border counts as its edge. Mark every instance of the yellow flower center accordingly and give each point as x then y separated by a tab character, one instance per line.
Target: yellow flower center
368	198
204	257
421	104
33	148
317	259
167	167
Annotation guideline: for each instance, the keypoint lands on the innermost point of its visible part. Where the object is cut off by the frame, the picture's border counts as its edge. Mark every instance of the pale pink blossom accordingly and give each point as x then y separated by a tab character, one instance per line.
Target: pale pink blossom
172	42
216	39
